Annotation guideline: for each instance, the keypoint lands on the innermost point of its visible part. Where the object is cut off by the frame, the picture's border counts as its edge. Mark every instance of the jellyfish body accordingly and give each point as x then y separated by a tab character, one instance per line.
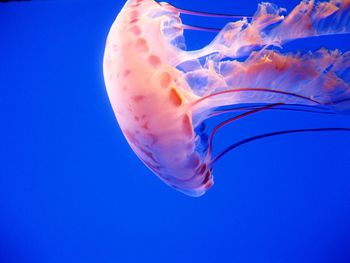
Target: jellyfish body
162	94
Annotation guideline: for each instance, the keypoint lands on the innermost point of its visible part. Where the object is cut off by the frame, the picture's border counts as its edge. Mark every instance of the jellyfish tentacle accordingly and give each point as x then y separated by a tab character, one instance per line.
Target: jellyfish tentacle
228	121
290	106
240	90
295	109
198	13
200	28
314	19
316	78
204	106
266	135
270	26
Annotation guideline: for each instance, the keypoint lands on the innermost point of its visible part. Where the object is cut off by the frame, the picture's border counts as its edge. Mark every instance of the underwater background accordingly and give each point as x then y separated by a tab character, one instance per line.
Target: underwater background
72	190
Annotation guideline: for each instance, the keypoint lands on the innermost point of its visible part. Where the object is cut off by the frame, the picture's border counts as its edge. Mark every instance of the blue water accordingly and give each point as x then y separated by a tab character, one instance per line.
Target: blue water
71	189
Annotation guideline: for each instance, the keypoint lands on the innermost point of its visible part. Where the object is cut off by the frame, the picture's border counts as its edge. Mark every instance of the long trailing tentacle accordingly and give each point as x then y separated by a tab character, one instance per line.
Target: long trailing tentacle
224	123
198	13
291	107
237	90
271	134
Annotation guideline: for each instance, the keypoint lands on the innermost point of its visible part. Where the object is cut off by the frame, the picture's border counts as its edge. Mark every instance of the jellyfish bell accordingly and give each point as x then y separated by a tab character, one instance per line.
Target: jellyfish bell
161	94
150	97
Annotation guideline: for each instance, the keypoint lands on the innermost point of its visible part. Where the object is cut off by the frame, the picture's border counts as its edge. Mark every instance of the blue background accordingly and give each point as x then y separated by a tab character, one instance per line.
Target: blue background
71	189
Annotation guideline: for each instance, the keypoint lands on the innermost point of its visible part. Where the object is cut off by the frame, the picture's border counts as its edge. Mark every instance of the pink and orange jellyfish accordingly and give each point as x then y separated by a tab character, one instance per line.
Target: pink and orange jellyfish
161	94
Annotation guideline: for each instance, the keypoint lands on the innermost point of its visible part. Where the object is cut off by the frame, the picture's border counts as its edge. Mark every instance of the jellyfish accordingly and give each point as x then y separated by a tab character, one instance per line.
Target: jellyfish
162	94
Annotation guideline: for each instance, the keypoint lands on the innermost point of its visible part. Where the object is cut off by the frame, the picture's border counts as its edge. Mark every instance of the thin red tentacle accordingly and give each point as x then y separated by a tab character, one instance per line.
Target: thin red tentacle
224	123
318	110
253	89
267	135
